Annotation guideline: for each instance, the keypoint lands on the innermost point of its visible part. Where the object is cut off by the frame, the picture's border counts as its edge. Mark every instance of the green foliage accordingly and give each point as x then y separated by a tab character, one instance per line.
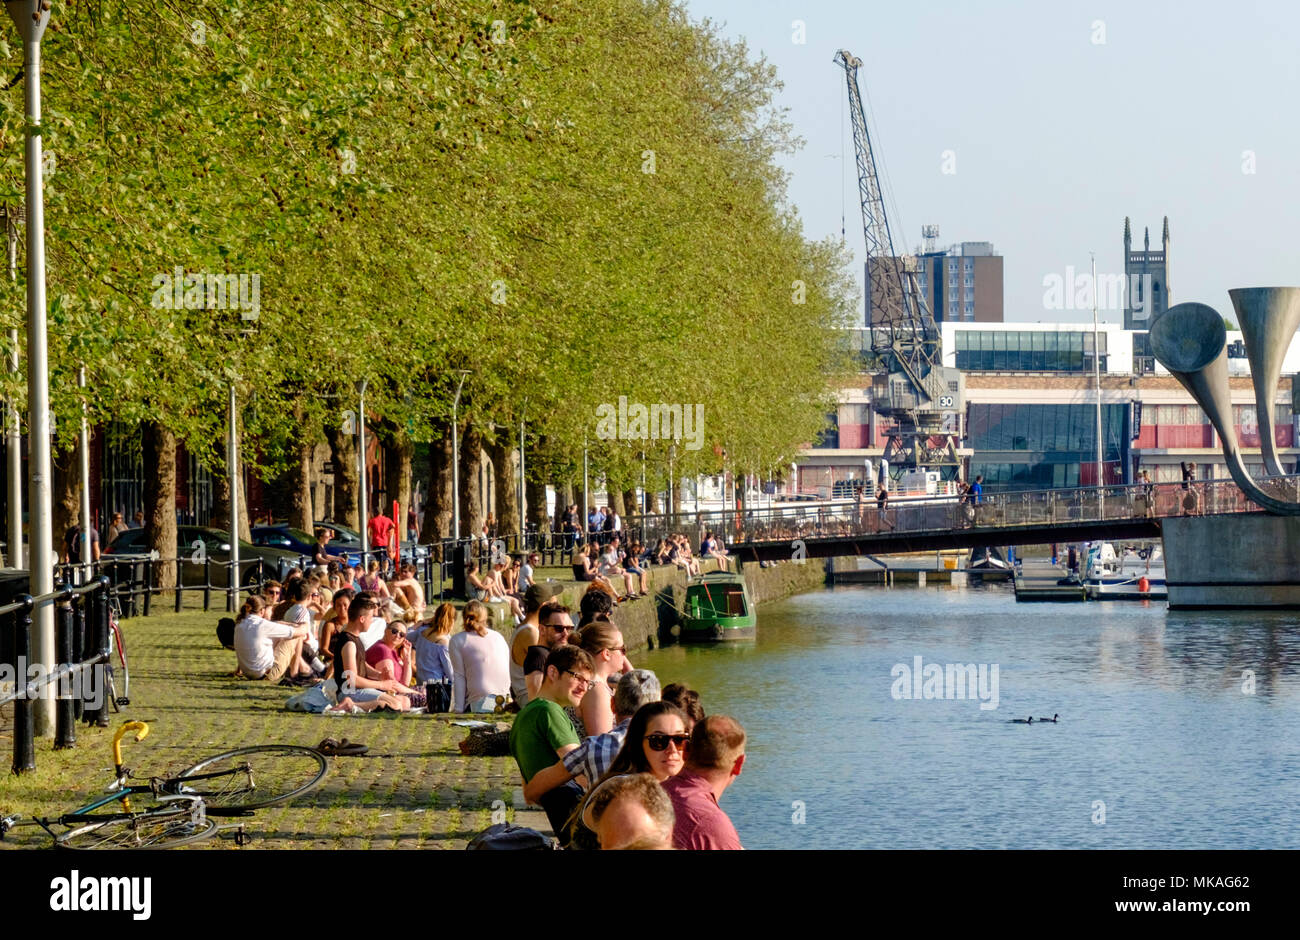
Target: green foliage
575	199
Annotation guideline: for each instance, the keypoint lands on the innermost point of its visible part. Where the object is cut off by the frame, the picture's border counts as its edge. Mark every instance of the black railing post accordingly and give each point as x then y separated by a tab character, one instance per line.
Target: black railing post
180	582
207	581
148	585
65	731
24	718
79	645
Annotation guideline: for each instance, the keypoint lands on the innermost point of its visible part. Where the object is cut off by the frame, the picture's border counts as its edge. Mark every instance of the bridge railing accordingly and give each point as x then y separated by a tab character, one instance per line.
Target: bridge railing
840	518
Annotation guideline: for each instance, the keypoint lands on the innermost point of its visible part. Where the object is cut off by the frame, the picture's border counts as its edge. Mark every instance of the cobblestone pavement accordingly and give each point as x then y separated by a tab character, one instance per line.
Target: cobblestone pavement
413	789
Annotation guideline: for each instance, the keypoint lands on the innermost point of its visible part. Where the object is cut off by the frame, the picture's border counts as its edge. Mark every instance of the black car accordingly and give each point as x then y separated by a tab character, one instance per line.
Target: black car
194	542
286	537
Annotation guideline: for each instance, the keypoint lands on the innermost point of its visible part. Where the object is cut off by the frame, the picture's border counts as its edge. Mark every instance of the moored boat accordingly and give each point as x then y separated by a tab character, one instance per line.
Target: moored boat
718	607
1136	575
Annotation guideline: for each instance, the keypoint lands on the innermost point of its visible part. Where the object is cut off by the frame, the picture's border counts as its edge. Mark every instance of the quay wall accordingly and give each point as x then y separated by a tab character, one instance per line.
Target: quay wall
1237	561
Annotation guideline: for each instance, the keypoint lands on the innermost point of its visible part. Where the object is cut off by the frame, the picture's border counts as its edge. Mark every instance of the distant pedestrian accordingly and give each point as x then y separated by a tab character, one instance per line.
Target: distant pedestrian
137	521
116	527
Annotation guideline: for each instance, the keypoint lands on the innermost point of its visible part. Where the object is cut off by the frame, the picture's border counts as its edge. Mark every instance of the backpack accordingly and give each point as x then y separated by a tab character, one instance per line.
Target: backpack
510	838
226	632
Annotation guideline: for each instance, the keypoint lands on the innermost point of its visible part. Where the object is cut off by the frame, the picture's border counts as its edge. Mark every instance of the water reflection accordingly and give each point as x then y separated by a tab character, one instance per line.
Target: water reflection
1155	723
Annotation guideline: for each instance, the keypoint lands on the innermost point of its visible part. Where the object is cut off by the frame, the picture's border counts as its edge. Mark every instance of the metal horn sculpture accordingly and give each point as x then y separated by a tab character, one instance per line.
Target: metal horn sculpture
1269	317
1190	341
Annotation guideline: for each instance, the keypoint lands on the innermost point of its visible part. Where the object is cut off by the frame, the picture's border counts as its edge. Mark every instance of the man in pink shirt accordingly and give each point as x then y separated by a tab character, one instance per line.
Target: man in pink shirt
713	761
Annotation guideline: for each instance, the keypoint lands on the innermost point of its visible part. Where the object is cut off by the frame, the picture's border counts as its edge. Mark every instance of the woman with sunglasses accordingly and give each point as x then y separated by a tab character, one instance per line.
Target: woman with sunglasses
391	656
655	744
604	642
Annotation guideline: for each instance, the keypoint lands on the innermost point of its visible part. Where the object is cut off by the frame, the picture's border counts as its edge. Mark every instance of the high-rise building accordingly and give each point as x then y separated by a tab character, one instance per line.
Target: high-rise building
962	283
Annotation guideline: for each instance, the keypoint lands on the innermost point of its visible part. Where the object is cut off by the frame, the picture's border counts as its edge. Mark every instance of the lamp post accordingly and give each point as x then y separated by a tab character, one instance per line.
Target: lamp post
794	479
232	469
13	441
455	459
671	508
522	487
84	448
361	467
31	17
645	498
586	495
1096	370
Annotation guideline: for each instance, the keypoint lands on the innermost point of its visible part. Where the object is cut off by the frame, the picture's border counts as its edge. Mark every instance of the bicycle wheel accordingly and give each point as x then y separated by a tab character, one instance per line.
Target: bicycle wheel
251	777
161	830
117	667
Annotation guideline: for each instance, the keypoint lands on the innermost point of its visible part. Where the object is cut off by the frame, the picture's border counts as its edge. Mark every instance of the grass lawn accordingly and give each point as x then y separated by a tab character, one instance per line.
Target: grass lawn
413	789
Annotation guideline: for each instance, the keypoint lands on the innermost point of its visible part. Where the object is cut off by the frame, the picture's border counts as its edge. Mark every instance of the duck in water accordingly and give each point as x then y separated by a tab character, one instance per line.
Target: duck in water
1023	721
1052	719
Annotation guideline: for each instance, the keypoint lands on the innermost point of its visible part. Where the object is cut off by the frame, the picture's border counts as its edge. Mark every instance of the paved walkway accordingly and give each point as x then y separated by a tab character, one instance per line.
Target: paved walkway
413	790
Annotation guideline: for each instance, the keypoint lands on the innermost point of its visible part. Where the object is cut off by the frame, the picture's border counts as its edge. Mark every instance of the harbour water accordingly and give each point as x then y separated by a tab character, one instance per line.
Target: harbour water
1161	741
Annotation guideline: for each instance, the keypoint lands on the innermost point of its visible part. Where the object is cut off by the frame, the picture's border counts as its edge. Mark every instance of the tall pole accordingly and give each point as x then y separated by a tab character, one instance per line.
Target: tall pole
455	460
586	492
522	489
13	443
84	449
31	19
670	508
361	458
232	469
1096	368
645	498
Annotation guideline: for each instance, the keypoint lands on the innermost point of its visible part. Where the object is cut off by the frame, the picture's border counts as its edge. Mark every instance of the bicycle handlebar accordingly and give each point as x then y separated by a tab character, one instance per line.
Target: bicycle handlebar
139	727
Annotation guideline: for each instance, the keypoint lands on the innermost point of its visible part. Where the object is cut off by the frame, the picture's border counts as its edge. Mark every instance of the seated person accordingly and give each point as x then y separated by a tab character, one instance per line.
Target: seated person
478	587
633	811
497	589
596	604
407	590
391	656
354	677
268	649
321	555
542	732
335	619
612	571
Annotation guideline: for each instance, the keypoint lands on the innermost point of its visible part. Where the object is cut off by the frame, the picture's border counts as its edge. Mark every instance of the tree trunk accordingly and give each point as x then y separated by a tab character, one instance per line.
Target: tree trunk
347	484
159	460
65	498
537	514
220	518
505	461
397	479
299	481
438	508
630	503
472	512
614	497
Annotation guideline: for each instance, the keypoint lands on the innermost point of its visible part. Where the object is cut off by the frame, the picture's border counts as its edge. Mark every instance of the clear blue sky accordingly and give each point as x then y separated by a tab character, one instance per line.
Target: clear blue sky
1057	138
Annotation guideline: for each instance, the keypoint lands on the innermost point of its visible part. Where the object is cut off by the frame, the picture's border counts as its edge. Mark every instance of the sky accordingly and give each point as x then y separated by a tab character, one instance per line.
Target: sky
1062	118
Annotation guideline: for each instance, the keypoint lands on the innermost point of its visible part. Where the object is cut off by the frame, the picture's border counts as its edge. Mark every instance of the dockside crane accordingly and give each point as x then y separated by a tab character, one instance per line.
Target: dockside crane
924	400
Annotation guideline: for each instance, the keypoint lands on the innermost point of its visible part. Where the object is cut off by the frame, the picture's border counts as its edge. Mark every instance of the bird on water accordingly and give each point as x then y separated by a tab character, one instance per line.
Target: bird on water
1023	721
1052	719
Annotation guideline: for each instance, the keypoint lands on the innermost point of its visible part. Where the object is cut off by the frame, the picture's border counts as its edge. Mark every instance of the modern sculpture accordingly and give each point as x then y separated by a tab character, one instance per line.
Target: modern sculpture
1190	341
1242	559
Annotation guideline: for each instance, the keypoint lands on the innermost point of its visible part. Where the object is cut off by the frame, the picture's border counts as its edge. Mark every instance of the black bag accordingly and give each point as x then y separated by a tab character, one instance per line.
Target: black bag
437	696
508	837
226	632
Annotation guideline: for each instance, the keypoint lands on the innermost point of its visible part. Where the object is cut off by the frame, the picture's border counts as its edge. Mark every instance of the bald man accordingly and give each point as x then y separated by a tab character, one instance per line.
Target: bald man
632	811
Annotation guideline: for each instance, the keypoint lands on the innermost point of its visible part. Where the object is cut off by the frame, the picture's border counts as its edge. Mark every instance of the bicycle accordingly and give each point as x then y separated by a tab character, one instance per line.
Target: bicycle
233	783
119	698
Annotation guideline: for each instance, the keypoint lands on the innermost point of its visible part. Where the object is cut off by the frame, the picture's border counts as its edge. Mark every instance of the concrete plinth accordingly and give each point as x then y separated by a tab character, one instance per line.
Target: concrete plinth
1246	560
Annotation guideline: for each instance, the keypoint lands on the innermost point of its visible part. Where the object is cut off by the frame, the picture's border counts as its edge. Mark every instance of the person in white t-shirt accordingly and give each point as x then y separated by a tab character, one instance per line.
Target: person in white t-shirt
304	612
268	649
611	569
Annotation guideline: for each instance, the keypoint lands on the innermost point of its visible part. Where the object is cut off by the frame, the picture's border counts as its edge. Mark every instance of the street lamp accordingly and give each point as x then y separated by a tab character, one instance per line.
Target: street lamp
455	459
361	467
14	431
671	508
523	489
31	17
232	458
794	479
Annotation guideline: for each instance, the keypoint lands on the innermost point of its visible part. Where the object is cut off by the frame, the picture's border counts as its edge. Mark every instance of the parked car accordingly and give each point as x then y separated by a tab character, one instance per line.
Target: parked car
131	545
350	540
289	539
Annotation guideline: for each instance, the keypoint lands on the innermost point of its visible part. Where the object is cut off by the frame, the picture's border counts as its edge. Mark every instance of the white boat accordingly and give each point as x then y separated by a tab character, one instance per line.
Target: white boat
1112	576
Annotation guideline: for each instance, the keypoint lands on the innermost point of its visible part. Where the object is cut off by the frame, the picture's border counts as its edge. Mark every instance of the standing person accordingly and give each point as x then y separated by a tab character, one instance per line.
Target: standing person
115	527
137	521
542	732
72	546
595	521
571	527
1190	502
380	529
1148	493
433	661
480	663
713	762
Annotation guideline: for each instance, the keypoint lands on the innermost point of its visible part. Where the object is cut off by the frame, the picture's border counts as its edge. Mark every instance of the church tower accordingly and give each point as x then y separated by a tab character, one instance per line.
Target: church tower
1146	275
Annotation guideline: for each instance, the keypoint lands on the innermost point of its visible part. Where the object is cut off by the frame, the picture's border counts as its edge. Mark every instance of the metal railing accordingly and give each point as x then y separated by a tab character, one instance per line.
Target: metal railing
81	644
840	518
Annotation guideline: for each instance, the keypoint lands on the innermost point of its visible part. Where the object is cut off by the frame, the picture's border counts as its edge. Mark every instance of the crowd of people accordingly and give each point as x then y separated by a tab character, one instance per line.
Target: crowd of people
615	760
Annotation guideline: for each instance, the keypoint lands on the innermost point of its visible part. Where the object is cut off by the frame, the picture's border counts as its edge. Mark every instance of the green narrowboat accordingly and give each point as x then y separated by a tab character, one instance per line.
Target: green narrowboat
718	607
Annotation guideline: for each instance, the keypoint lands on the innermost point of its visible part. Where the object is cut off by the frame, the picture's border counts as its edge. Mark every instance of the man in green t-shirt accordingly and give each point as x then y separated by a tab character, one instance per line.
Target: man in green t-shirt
543	733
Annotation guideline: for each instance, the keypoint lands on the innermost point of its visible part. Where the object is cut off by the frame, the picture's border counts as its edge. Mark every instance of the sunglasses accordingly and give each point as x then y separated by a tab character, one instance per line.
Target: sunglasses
395	632
659	742
559	626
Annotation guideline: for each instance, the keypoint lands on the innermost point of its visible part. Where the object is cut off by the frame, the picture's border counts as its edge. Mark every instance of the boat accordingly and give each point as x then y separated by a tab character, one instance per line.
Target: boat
1132	574
718	607
988	564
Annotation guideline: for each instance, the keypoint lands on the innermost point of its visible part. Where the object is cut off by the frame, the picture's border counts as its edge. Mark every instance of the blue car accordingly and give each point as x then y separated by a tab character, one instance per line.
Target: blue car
287	538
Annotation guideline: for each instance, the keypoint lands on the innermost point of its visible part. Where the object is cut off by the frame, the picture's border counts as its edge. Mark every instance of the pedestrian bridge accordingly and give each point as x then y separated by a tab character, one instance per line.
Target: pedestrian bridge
1032	517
